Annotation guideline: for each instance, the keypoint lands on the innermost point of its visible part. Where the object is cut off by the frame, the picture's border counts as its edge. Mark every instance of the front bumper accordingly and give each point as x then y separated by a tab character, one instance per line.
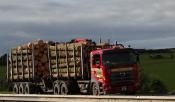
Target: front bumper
121	89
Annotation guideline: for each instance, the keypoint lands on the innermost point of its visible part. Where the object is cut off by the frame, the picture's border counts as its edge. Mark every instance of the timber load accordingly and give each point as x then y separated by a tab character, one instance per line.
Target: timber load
67	60
29	61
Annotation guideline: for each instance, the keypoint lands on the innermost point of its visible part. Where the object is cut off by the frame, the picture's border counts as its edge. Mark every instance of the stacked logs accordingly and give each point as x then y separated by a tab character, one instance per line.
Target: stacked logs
28	56
65	59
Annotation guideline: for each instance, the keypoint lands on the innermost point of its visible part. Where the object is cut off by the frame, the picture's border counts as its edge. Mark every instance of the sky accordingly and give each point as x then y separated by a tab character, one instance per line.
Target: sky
139	23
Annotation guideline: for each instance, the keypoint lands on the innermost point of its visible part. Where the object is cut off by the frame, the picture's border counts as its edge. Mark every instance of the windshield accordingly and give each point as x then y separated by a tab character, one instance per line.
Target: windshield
119	58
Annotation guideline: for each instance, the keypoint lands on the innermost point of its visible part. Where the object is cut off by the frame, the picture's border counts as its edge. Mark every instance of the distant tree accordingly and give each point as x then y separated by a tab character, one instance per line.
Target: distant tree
172	56
3	59
151	85
156	56
158	87
129	46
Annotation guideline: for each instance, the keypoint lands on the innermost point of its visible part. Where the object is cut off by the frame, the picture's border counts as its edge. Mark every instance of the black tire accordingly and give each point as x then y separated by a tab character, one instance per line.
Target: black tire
21	88
57	90
16	88
95	89
64	89
73	87
28	89
130	93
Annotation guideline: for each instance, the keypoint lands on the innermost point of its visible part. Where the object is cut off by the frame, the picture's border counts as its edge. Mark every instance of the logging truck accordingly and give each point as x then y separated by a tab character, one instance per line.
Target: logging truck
78	66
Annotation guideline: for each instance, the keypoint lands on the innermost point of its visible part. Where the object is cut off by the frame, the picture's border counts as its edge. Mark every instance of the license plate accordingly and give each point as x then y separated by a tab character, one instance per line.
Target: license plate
124	88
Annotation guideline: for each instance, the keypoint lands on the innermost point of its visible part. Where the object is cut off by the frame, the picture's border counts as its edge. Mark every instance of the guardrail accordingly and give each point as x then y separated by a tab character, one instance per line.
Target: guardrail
80	98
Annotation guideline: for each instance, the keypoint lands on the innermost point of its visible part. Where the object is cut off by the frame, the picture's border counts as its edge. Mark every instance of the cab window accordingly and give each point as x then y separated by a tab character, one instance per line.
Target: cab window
96	59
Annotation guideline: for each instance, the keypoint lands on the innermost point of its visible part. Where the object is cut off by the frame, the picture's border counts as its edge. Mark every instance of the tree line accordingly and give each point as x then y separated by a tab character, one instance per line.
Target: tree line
3	59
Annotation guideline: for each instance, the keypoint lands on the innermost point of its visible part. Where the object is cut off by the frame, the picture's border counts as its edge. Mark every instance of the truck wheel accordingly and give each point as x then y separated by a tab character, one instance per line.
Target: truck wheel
21	88
57	89
15	88
28	89
73	87
64	89
95	89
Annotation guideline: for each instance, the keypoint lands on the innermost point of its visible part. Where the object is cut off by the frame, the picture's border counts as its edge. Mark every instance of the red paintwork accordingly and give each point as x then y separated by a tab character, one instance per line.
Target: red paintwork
132	87
81	40
105	80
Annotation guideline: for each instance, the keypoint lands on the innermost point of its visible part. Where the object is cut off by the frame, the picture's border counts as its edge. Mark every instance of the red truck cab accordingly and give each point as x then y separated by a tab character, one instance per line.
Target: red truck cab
114	70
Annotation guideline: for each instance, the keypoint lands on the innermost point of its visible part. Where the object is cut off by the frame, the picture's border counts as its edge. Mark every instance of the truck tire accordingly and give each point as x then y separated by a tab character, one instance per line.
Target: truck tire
15	88
57	90
73	87
21	88
28	89
95	89
64	89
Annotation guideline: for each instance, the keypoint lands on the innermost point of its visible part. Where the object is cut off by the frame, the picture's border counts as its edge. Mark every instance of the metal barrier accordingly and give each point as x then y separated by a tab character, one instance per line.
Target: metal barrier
83	98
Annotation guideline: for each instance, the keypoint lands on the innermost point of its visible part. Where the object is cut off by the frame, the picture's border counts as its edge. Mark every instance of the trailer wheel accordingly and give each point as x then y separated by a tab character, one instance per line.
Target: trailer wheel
57	90
28	89
21	88
73	87
15	88
64	89
95	89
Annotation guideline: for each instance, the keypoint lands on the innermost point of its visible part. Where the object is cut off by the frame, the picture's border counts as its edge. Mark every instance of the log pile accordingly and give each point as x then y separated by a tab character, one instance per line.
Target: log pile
65	59
27	56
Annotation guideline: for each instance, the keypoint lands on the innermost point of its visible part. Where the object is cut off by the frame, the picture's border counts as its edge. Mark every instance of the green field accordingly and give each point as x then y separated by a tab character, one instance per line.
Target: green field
2	72
3	81
160	68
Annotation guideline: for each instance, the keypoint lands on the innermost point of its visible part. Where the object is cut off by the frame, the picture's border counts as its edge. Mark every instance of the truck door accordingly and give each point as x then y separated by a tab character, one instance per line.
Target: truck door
96	66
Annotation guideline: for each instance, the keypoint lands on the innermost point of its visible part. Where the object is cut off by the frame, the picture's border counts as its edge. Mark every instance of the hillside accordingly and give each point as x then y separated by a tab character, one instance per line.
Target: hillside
3	81
160	66
3	59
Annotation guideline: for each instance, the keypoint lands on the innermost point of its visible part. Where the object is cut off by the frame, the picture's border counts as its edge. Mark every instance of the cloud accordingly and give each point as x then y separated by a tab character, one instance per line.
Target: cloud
144	24
166	42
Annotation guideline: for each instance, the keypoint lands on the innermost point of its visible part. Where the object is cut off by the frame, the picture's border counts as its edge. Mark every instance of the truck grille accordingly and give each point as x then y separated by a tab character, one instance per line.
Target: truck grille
121	78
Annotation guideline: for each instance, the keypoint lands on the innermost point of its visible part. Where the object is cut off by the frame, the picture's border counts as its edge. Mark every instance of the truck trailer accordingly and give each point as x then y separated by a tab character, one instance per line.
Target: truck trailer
78	66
